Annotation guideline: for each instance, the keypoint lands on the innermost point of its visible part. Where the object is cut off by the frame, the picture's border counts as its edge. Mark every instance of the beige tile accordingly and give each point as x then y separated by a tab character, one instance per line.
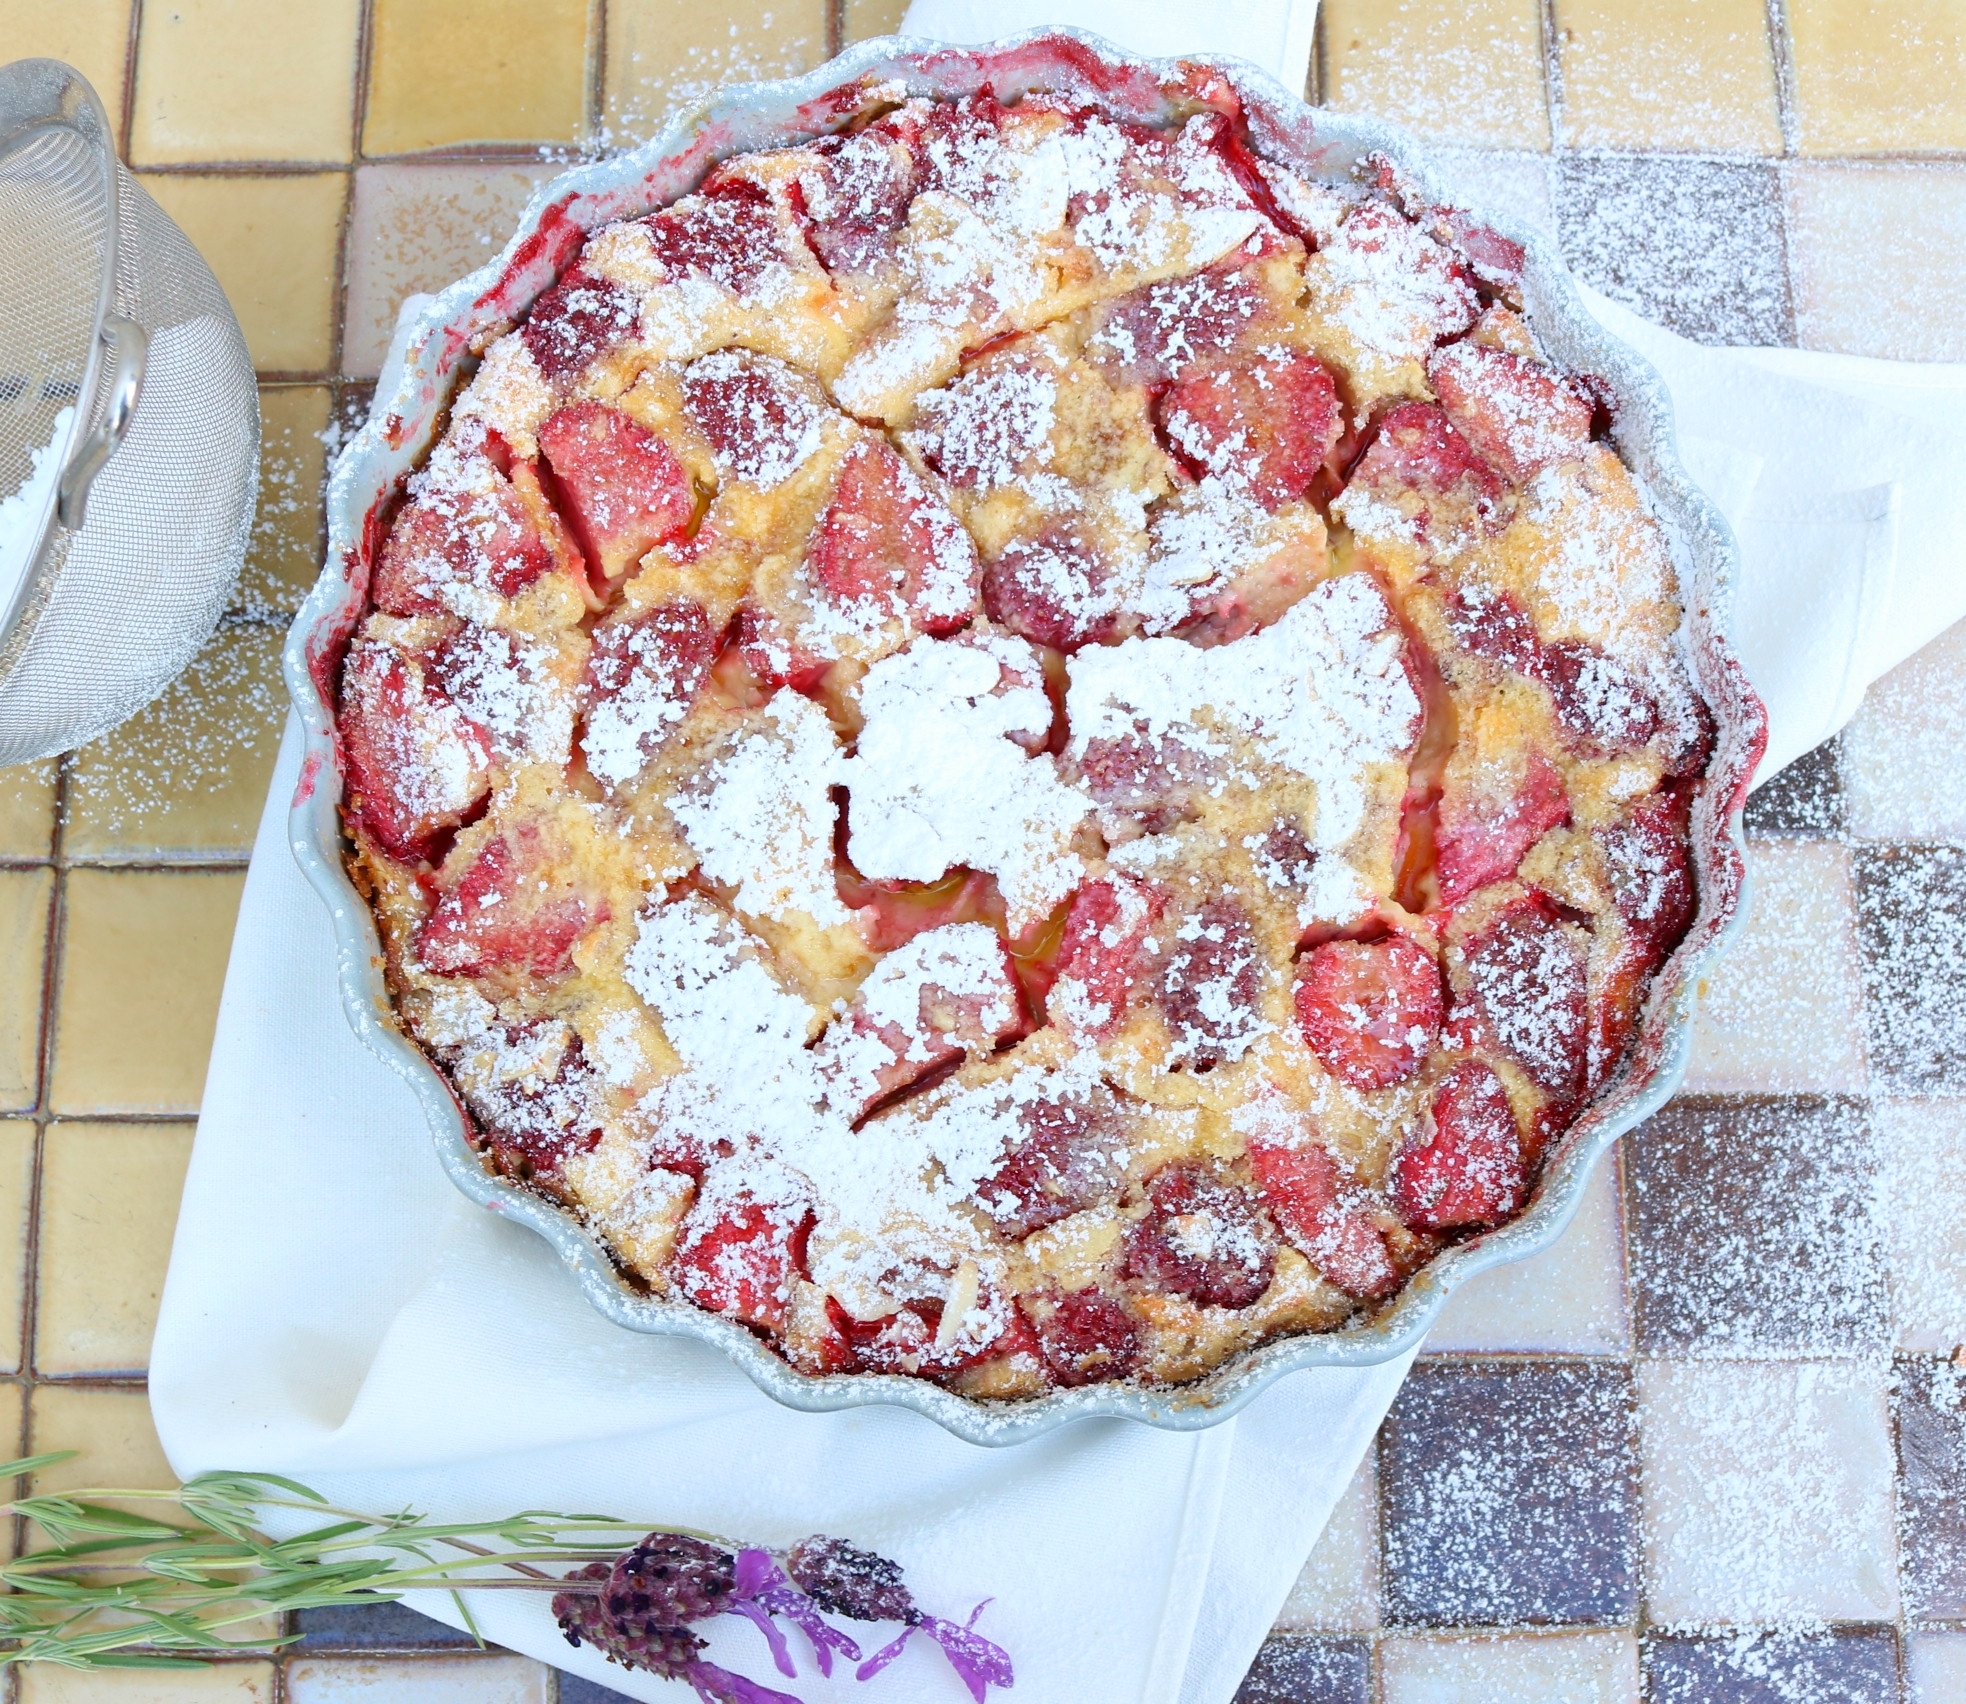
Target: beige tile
1899	751
1677	74
1783	1010
109	1195
1873	79
665	54
1568	1300
1338	1589
243	80
16	1192
420	227
142	966
186	776
1766	1489
1874	259
1460	70
111	1431
272	242
1921	1151
1937	1668
223	1683
24	896
1497	185
27	810
866	18
418	1680
13	1414
524	78
91	35
284	557
1553	1668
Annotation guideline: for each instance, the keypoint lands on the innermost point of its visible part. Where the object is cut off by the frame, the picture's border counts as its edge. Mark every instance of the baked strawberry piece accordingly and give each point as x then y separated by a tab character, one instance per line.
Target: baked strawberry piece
1203	1238
1370	1010
1327	1214
622	489
1264	426
885	542
512	907
416	765
1464	1167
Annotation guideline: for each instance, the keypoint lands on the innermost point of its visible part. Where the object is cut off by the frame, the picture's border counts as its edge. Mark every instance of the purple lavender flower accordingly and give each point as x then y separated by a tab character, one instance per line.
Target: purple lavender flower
763	1591
980	1664
850	1581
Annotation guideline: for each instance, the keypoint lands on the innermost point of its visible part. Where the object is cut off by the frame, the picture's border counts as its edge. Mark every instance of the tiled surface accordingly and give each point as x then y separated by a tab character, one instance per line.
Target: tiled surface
1711	1445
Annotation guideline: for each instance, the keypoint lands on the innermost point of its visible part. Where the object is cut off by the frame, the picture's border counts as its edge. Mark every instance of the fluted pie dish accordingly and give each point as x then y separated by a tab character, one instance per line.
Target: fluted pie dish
1014	731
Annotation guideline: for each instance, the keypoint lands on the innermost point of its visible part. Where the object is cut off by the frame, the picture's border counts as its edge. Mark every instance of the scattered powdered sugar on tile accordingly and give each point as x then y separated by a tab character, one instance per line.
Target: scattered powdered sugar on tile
762	819
1319	693
937	780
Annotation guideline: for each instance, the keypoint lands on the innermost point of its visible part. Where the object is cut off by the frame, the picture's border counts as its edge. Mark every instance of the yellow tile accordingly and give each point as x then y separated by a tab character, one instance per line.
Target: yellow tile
13	1412
245	80
419	227
272	242
112	1431
186	776
1460	70
866	18
665	54
109	1195
448	73
143	961
23	954
1873	79
284	557
91	35
1691	74
16	1188
27	810
1875	261
222	1683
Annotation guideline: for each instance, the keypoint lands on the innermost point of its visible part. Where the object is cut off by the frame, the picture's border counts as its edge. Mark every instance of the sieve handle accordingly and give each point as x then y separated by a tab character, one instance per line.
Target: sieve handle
131	343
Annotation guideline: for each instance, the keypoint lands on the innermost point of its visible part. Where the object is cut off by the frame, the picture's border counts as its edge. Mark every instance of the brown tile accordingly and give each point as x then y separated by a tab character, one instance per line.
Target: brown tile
284	557
1694	244
1875	259
1809	797
109	1197
27	810
1873	79
1930	1410
272	243
667	54
16	1191
523	78
1460	70
1303	1668
865	18
376	1627
1854	1665
1510	1496
142	966
1911	923
215	82
24	896
1683	74
419	227
221	1683
186	776
91	35
1753	1228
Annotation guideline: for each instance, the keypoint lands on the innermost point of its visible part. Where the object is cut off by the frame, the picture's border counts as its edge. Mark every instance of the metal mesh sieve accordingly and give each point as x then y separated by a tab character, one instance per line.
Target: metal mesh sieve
105	307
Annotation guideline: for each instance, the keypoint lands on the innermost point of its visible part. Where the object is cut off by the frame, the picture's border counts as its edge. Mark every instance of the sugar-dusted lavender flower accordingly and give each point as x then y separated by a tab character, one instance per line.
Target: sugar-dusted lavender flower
668	1580
763	1591
980	1664
585	1620
850	1581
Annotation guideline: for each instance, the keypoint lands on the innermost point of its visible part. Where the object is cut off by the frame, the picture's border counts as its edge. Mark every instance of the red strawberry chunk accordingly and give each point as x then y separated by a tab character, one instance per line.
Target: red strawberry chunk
1599	702
1415	450
948	992
1651	869
1494	259
1208	987
622	489
1152	335
1055	590
1480	841
1493	624
643	674
416	765
854	197
1519	415
887	540
771	656
478	537
1068	1158
1469	1169
891	914
509	909
911	1340
1324	1212
1087	1336
1522	988
545	1110
1201	1238
1100	958
1370	1010
579	319
738	1257
757	413
727	233
1265	426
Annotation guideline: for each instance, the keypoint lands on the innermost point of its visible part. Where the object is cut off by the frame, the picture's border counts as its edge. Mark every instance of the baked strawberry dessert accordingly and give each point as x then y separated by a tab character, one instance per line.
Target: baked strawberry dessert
1024	750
